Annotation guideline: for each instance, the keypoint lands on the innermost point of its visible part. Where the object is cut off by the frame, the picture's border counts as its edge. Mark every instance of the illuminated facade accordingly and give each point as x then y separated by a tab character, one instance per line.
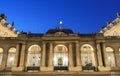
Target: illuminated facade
60	51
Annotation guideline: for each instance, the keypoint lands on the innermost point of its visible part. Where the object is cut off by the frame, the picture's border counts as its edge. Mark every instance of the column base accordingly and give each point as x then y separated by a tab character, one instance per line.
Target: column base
17	69
1	69
46	69
75	69
104	69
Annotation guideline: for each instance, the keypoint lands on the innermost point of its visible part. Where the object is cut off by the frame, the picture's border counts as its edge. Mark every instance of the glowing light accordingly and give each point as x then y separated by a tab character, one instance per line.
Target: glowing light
11	58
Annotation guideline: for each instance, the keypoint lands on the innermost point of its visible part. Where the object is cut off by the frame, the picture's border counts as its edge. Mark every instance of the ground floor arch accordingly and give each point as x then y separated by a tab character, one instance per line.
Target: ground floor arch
87	57
60	57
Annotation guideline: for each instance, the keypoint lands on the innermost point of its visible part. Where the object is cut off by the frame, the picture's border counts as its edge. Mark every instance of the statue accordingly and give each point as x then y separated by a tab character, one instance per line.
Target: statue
12	24
3	16
118	14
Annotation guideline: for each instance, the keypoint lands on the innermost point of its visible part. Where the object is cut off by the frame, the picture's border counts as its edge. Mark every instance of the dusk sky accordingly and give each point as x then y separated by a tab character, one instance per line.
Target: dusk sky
37	16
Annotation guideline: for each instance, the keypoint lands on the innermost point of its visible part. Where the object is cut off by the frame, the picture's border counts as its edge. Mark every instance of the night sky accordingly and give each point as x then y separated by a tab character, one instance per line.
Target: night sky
37	16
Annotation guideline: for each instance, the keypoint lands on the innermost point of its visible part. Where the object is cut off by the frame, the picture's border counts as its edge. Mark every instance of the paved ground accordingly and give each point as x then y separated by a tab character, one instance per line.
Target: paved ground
60	74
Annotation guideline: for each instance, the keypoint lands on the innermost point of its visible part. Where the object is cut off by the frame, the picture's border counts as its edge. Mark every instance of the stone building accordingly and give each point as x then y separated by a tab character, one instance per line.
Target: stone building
60	52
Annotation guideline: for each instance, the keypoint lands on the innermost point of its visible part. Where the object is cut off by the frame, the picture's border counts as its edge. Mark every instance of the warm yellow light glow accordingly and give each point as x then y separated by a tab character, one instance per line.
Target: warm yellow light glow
11	58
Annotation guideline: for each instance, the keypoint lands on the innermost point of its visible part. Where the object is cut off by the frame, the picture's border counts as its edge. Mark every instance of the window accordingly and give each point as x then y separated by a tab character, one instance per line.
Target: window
110	56
11	57
87	55
34	55
1	56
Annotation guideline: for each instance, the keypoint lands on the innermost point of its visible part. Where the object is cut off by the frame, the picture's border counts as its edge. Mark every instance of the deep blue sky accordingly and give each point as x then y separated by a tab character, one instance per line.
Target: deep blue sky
38	16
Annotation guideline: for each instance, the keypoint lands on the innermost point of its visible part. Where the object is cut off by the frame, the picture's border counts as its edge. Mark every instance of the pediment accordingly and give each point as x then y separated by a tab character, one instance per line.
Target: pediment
6	30
112	29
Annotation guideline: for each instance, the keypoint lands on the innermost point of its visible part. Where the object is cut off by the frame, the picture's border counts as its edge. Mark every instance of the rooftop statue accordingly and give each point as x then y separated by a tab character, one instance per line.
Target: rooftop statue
118	14
3	16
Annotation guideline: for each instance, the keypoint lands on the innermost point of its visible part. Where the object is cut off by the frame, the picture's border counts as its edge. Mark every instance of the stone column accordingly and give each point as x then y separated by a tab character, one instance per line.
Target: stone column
100	61
105	55
50	63
22	58
16	56
78	58
106	67
43	56
99	55
14	68
70	57
4	60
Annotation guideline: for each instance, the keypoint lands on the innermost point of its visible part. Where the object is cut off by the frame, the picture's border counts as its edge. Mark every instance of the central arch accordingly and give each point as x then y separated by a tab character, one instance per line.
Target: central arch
33	58
60	57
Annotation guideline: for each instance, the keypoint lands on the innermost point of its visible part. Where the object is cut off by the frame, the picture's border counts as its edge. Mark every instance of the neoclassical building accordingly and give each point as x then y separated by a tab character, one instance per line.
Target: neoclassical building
60	51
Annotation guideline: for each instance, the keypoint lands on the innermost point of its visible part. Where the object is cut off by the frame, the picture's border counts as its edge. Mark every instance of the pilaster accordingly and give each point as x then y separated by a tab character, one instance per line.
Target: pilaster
78	58
4	61
50	64
22	59
70	57
43	56
100	63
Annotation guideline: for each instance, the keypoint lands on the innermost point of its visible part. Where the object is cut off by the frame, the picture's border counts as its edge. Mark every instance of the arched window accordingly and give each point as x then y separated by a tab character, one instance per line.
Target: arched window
60	55
11	57
34	55
110	56
1	56
87	55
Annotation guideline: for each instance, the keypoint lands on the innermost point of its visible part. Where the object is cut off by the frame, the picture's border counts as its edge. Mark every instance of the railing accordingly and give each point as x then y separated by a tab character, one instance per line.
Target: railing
33	68
88	67
61	68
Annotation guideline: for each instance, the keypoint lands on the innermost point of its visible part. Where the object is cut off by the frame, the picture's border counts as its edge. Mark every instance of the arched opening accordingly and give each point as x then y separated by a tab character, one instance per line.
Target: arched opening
1	56
110	56
60	57
87	57
33	58
11	57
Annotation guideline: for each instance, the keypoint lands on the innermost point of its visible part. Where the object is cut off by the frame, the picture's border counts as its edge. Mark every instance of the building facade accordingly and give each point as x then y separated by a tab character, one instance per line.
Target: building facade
60	51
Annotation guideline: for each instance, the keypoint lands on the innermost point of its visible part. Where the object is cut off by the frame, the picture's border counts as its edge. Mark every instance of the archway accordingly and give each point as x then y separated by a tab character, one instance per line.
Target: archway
33	58
110	56
87	57
11	57
60	57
